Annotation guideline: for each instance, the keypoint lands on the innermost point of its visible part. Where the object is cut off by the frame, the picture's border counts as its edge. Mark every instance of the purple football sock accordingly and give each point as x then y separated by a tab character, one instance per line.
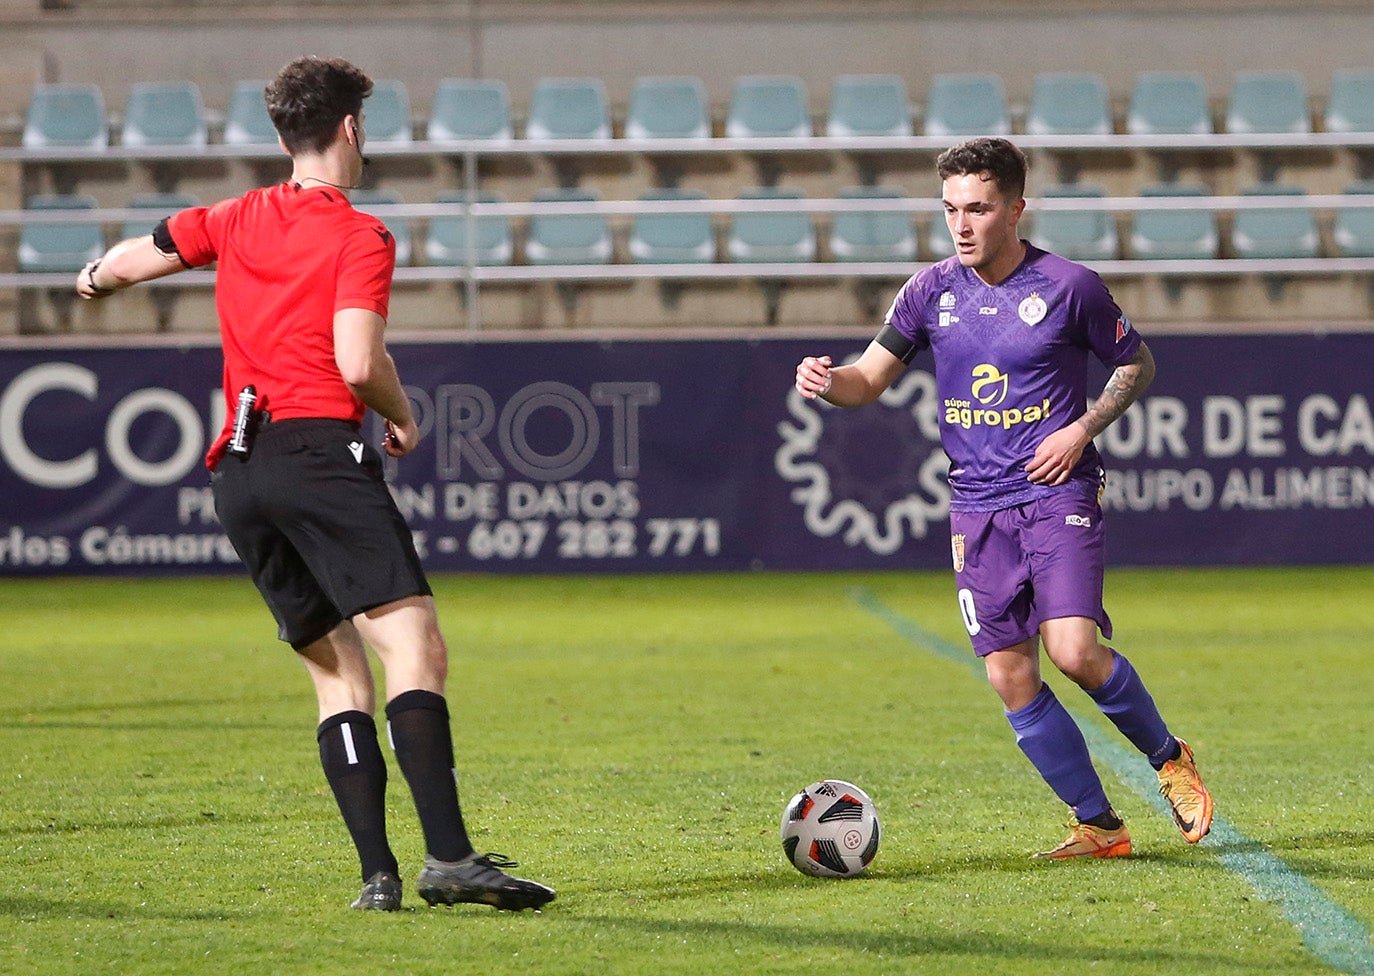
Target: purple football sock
1052	741
1124	699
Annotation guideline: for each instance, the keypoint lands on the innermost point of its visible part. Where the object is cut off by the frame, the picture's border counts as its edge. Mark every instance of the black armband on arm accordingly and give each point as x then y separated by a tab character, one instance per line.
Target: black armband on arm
162	240
896	343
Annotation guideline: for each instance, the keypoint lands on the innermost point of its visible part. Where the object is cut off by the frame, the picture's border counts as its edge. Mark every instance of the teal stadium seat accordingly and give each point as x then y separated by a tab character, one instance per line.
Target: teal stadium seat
386	115
1268	101
246	123
1354	231
768	107
368	200
938	239
67	117
869	105
165	114
770	237
446	244
1079	235
158	205
1350	107
59	247
872	235
1276	233
1168	103
569	108
470	108
1068	103
1174	235
967	105
668	108
569	238
672	238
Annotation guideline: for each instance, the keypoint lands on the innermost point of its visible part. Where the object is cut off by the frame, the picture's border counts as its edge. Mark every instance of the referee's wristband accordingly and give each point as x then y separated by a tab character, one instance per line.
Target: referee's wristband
90	279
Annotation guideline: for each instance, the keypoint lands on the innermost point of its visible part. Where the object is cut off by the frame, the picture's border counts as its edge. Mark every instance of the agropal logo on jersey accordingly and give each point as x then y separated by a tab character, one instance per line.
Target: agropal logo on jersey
989	390
875	477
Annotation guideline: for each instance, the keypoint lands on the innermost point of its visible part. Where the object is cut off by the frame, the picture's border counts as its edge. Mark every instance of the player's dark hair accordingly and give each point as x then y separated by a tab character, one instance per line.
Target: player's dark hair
1003	163
310	97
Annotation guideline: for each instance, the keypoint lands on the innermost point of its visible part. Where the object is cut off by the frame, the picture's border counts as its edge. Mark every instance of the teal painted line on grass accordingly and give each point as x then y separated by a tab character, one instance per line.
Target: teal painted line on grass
1330	933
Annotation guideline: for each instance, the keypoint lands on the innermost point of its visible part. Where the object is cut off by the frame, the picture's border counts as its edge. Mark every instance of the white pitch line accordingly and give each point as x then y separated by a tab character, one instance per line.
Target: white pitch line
1330	933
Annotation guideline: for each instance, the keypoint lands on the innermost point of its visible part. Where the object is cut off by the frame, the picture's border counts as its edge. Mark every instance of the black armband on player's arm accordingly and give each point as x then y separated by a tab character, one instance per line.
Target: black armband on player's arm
896	343
162	240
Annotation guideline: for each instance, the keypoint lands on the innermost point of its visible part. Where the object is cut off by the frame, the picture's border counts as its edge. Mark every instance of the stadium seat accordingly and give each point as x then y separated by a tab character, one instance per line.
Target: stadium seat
872	235
165	114
247	123
66	116
569	108
386	115
59	247
1276	233
569	238
1354	232
1068	103
470	108
1350	107
967	105
869	105
1168	103
158	205
367	200
768	237
1268	101
939	241
446	244
672	238
1164	235
768	106
668	108
1079	235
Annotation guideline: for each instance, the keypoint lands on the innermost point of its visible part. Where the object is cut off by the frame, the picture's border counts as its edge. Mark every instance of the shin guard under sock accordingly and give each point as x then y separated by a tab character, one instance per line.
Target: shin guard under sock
1054	744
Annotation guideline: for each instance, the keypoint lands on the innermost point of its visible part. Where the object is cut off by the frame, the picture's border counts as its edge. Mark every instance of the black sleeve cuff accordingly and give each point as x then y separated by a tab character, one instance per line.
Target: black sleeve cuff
896	343
162	240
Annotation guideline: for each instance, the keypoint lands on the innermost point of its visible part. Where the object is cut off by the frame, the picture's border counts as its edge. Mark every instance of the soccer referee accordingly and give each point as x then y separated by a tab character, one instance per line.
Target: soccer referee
302	292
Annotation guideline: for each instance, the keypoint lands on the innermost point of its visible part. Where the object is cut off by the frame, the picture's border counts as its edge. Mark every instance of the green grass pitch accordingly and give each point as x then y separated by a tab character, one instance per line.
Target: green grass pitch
632	742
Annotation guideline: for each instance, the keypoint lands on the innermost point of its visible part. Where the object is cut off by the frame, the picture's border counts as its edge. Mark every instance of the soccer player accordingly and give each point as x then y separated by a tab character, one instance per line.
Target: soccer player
1010	327
302	293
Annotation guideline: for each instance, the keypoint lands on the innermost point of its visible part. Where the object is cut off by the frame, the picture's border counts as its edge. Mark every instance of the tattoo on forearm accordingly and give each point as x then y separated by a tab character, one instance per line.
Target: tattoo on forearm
1124	387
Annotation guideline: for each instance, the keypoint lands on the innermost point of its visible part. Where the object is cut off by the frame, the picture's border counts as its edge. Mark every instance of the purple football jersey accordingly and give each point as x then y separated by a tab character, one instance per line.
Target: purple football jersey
1011	367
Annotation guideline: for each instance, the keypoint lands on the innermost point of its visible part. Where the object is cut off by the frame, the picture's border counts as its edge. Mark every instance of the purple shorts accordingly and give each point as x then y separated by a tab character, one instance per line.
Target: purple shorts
1020	566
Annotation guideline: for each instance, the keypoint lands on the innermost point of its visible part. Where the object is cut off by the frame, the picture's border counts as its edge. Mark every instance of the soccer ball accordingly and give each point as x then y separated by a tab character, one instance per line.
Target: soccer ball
830	830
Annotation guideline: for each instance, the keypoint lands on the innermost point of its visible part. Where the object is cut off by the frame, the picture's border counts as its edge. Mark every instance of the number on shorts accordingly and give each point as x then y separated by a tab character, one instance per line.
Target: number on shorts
970	615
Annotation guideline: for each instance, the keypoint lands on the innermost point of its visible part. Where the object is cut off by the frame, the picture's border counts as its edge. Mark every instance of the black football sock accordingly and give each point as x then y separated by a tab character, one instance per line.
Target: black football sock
356	771
1106	821
424	750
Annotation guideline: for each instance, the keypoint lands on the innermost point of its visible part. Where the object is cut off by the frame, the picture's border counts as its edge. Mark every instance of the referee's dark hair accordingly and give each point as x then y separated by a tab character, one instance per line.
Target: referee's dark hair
1004	163
310	97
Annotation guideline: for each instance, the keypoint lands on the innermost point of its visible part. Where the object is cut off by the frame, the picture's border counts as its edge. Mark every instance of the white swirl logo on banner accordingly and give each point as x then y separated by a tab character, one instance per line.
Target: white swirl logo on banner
917	491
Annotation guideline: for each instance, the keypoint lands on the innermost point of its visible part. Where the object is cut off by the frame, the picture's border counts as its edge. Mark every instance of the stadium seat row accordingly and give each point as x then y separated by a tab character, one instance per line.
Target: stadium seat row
1068	103
690	238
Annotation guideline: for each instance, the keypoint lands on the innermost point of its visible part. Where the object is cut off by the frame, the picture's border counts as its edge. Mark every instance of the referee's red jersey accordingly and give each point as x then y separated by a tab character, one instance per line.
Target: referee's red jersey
289	258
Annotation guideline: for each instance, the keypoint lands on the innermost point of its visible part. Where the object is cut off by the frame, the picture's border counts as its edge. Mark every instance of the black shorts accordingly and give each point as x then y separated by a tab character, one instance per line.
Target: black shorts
310	515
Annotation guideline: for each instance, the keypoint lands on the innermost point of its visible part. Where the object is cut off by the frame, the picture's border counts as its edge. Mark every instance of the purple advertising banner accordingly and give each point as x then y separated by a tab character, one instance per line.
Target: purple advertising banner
637	455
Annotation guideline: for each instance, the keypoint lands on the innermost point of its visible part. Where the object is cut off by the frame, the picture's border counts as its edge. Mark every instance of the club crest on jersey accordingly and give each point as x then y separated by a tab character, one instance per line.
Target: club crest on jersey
956	544
1123	328
1032	309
